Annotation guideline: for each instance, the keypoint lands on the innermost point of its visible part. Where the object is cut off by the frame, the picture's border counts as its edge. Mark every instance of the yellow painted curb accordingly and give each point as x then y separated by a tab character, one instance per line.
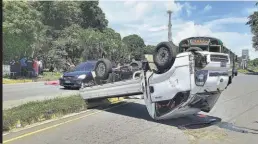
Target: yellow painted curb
114	100
15	81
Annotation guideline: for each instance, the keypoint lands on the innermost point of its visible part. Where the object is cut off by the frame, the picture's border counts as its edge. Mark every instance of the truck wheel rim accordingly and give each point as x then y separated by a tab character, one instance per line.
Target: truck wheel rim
162	55
101	69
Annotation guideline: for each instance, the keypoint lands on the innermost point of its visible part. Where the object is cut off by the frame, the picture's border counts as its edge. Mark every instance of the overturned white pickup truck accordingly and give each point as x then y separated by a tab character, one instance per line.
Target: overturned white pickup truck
183	84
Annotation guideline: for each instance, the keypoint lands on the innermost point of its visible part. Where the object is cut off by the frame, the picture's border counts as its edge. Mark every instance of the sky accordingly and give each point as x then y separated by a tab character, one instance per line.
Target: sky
149	19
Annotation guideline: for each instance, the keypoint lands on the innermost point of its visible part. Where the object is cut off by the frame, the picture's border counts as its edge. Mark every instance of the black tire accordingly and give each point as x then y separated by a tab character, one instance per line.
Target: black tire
164	56
194	49
103	68
134	65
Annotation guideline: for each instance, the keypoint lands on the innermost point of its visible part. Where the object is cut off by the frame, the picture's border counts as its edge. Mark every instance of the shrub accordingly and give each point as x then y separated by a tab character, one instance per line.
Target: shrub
37	111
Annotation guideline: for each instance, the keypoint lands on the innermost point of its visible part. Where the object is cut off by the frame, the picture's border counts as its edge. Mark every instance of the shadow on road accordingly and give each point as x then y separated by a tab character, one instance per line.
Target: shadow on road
69	88
139	111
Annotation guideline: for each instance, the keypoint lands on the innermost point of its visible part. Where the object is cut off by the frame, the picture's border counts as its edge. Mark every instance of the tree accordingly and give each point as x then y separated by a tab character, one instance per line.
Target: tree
149	49
64	32
253	23
135	45
92	16
21	28
59	14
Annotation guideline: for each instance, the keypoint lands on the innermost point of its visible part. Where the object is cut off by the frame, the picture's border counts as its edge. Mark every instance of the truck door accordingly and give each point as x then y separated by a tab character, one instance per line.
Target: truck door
177	80
167	88
146	94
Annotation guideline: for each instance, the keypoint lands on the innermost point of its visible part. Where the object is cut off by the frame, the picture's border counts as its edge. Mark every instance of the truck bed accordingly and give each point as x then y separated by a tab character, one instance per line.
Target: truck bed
116	89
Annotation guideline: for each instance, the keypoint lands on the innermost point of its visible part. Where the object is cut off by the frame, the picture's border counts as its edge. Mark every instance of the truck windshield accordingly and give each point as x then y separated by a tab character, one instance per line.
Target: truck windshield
88	66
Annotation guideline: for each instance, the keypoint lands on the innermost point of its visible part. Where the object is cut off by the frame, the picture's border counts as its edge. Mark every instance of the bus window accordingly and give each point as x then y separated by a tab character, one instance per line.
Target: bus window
215	49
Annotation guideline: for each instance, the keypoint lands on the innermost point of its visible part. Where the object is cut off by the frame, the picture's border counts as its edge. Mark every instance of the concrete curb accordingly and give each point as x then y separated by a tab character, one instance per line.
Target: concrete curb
103	102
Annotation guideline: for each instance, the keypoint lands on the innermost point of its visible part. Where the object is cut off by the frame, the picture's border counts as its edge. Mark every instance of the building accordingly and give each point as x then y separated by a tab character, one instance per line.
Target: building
245	58
245	54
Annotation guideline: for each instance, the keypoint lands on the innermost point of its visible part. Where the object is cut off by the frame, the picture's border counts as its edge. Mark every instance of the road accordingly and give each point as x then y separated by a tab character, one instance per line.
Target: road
130	123
15	94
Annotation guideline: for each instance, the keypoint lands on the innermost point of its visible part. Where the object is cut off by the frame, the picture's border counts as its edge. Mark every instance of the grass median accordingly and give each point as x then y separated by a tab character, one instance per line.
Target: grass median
243	71
39	111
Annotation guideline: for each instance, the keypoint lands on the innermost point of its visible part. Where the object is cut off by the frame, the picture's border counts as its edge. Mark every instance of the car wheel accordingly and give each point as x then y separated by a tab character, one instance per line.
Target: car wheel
164	56
103	68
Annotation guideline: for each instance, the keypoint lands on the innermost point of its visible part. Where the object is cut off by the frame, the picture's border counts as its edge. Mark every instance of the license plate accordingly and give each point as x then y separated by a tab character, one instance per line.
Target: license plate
67	81
223	64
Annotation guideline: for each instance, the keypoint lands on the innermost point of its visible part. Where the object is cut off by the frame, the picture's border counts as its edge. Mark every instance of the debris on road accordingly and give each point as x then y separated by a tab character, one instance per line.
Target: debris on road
56	83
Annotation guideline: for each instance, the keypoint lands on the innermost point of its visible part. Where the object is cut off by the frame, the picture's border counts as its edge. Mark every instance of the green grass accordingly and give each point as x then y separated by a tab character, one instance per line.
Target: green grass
255	69
242	71
38	111
47	76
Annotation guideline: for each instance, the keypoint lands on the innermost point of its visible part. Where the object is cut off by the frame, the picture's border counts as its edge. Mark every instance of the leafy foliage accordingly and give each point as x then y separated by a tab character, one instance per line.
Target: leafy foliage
21	28
253	23
135	45
65	33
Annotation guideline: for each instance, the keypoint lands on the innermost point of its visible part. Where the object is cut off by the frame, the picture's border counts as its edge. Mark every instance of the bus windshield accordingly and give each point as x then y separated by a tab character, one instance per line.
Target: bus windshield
205	43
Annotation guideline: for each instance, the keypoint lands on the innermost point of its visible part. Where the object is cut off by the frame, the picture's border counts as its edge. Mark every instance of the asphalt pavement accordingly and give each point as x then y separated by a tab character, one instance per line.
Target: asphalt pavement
16	94
235	112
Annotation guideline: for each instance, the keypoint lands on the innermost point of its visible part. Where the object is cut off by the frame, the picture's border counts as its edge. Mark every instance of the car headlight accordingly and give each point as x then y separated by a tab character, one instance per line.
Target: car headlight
82	76
201	77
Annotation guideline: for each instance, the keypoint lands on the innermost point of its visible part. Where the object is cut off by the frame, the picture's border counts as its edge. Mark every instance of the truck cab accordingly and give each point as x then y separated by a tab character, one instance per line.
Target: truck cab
192	84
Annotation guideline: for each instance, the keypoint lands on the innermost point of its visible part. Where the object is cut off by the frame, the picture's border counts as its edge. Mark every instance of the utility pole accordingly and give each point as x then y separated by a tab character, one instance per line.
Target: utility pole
169	26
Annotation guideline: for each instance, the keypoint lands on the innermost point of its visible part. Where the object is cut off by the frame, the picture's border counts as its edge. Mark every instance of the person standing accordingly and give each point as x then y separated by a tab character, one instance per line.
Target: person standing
35	66
40	64
23	66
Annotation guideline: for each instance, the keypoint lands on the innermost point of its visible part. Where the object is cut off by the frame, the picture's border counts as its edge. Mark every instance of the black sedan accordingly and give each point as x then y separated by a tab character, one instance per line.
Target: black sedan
80	77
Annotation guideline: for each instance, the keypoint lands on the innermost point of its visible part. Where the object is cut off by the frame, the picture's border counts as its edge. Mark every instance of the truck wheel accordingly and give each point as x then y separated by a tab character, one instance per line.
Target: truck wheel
164	56
103	68
135	66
